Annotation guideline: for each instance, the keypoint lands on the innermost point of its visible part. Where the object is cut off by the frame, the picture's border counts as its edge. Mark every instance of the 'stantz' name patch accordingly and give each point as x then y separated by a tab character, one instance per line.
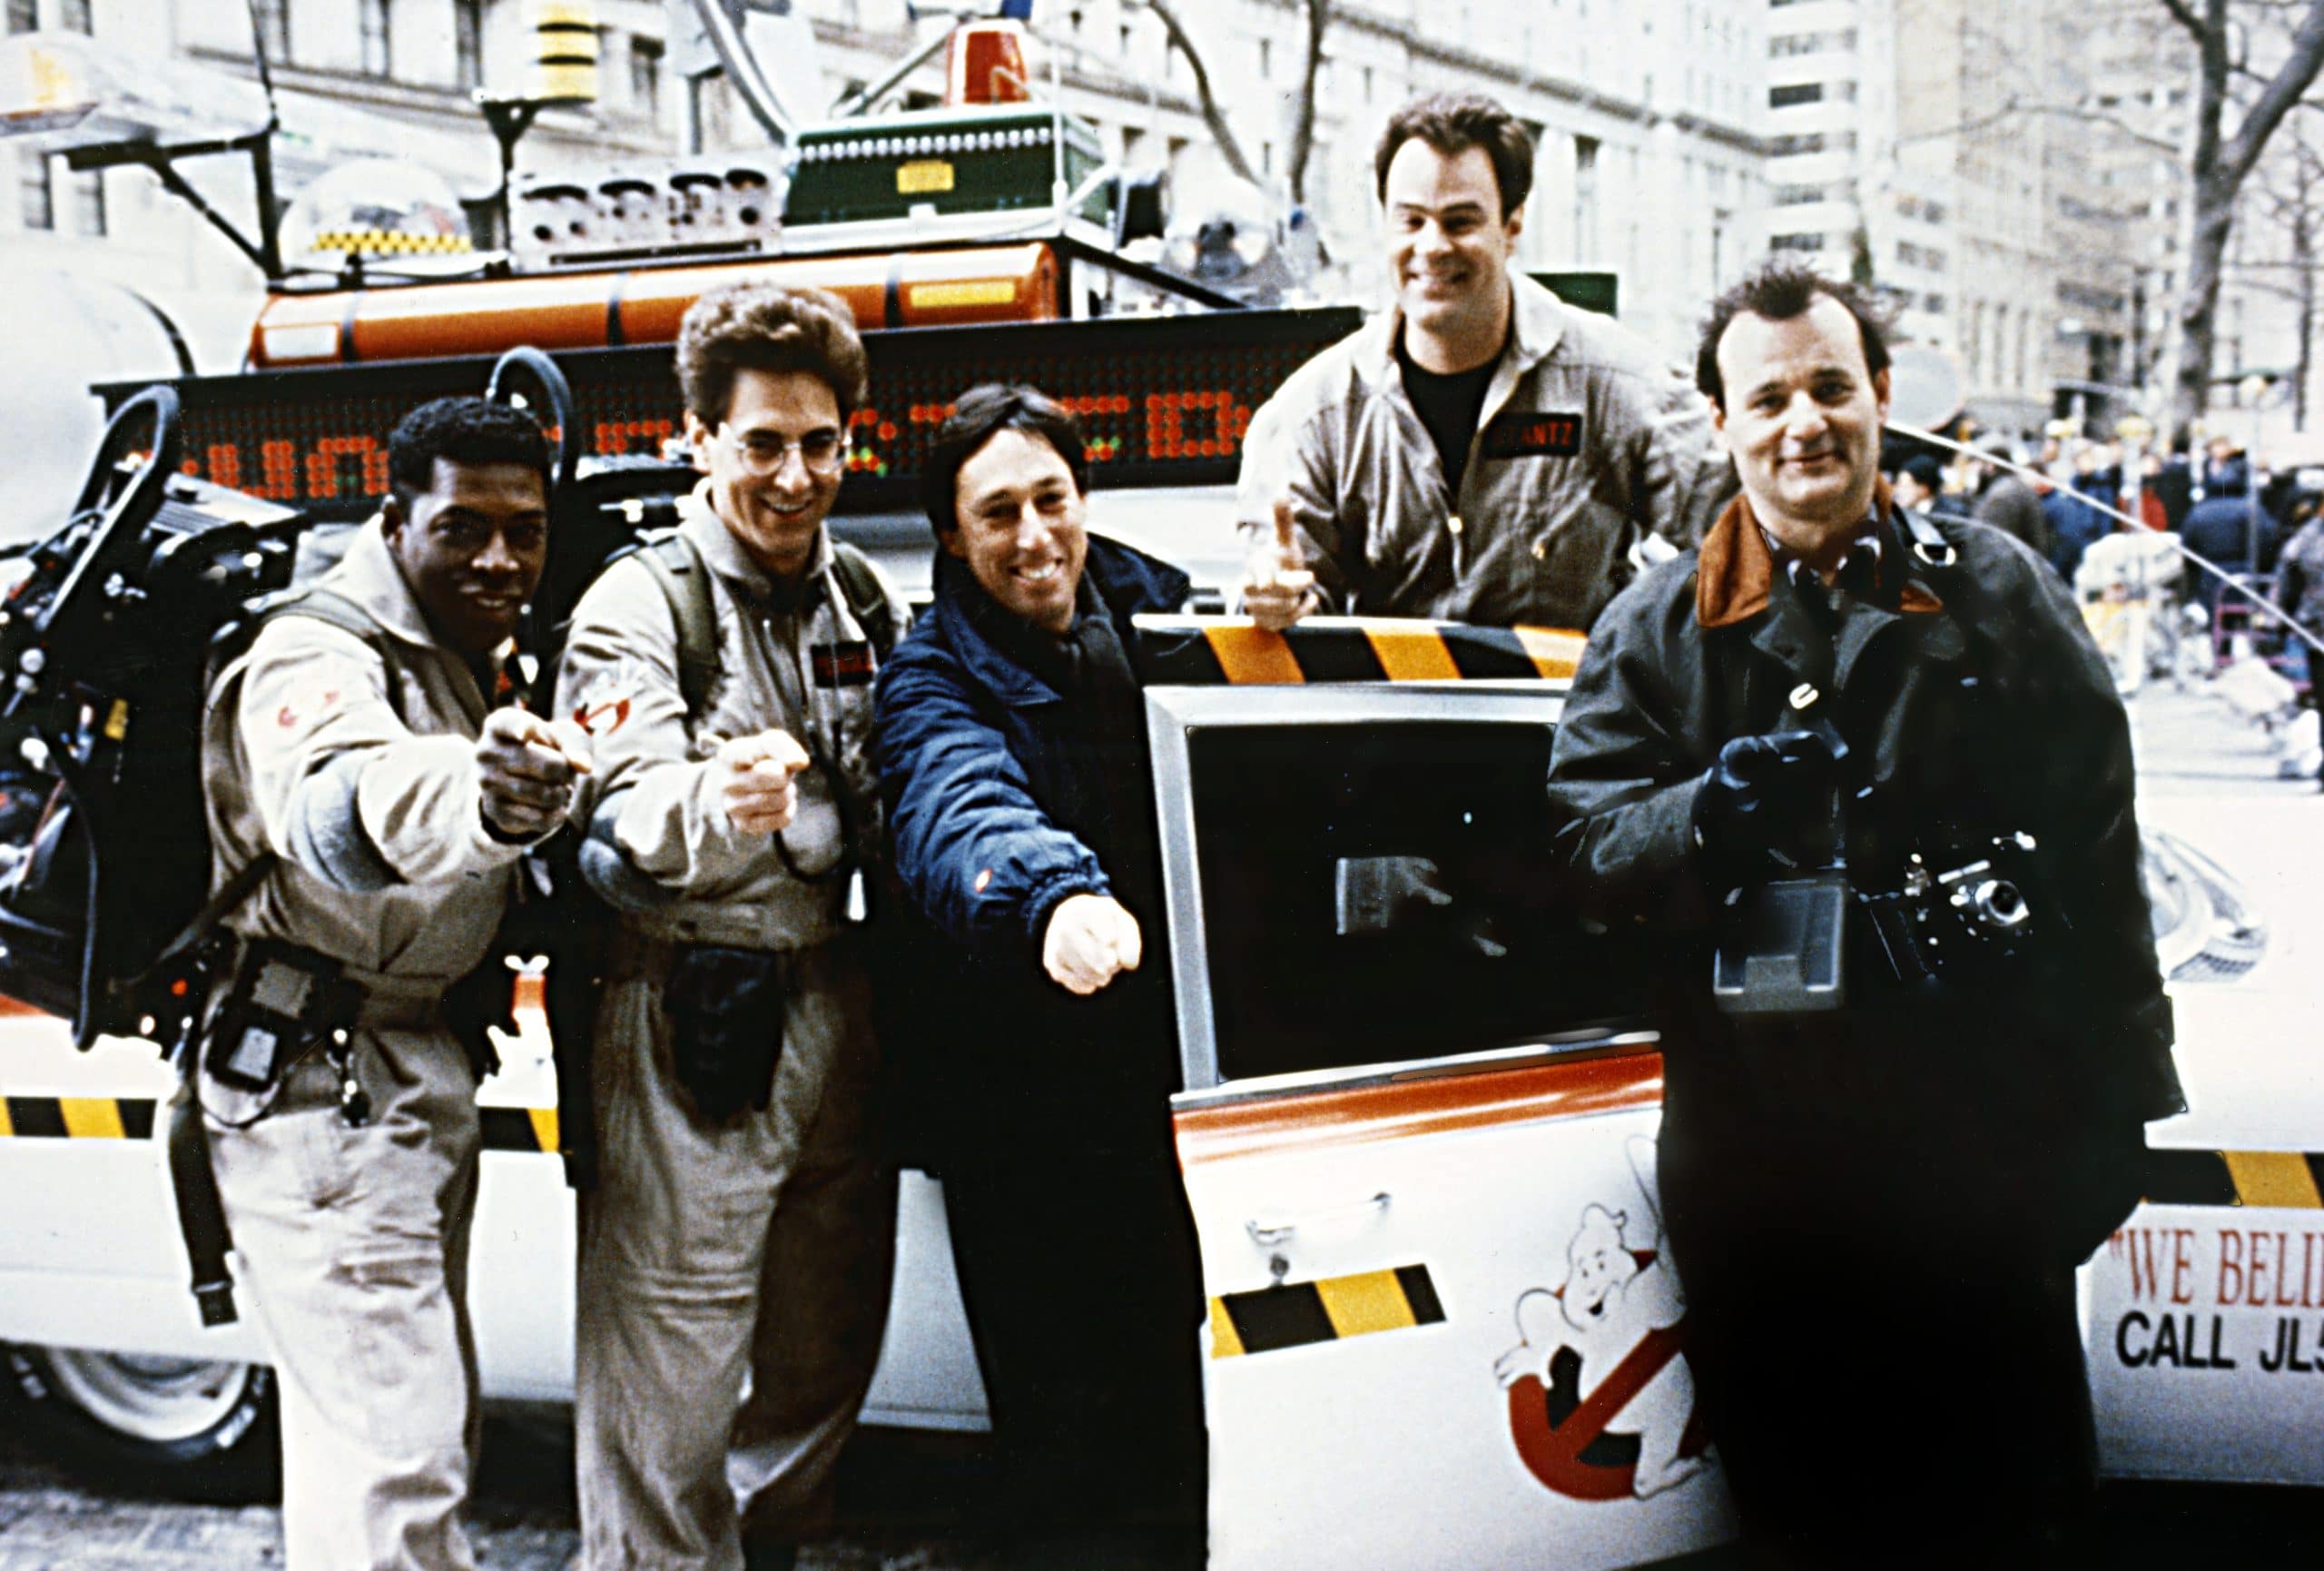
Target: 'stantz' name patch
843	666
1530	433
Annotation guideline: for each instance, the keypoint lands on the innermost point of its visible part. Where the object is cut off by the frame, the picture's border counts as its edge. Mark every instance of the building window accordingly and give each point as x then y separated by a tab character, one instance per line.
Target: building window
646	76
1799	195
89	202
38	191
1797	243
1789	46
372	19
73	16
1801	141
1266	58
1585	200
274	18
1796	92
467	43
23	16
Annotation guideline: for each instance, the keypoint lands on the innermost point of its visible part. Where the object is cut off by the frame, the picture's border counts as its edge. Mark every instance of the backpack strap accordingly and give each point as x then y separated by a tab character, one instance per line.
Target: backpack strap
867	601
684	581
326	606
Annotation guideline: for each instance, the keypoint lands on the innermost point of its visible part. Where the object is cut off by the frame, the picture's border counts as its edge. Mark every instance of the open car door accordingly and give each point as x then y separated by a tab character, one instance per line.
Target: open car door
1418	1141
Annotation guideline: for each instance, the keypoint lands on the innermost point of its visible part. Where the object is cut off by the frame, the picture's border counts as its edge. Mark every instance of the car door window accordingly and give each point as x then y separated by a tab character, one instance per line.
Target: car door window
1373	881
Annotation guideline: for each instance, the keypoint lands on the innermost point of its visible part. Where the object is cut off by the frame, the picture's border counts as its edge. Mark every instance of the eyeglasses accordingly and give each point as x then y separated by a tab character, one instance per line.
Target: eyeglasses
823	452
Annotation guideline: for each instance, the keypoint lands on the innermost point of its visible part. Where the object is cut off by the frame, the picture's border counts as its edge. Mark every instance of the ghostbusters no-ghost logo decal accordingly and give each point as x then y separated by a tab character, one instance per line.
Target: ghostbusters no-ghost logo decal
307	704
607	695
601	719
1602	1404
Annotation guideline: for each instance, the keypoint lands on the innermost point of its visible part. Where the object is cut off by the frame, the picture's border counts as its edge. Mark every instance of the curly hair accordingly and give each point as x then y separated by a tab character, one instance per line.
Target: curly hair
467	431
1780	291
765	327
1453	123
977	416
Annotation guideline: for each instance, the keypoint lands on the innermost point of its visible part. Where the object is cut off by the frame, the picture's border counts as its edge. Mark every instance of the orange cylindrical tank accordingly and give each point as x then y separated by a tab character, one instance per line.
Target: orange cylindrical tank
595	309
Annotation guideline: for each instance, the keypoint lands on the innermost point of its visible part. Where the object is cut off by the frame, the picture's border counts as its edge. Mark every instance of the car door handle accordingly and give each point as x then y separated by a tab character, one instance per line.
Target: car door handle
1267	1233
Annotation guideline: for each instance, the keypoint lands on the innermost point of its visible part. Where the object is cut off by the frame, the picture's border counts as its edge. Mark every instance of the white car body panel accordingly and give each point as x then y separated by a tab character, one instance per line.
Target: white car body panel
2201	1318
1421	1468
1394	1447
96	1262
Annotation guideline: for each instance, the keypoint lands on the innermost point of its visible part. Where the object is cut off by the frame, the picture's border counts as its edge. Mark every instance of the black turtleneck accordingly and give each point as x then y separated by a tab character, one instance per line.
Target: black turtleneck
1100	732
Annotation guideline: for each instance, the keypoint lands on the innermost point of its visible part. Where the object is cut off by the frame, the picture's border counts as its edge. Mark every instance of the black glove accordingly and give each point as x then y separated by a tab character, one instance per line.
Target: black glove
1769	806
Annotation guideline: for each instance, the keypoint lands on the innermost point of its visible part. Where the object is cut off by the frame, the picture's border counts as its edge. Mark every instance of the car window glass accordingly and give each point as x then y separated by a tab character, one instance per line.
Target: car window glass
1377	892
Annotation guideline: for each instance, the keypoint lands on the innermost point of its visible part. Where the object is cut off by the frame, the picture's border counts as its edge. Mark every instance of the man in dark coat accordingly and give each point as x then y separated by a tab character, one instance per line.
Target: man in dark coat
1013	757
2007	502
1876	1208
2228	528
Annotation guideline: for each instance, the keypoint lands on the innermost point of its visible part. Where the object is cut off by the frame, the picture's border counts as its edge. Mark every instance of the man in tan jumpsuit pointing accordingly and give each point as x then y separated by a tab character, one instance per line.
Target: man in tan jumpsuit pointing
353	758
742	1229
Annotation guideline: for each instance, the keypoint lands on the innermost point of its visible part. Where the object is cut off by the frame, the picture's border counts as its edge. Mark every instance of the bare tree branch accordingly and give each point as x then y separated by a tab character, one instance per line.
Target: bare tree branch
2107	117
2293	79
1229	147
2184	18
1303	122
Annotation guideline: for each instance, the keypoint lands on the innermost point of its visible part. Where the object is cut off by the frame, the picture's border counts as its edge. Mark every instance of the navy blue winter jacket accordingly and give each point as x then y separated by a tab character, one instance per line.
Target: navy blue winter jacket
980	789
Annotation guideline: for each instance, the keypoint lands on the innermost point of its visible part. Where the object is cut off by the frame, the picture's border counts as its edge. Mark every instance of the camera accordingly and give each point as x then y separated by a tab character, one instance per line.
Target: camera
1968	923
1782	947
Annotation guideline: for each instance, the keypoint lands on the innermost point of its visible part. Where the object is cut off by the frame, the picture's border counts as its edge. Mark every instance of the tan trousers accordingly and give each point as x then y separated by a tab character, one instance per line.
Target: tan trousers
733	1281
353	1246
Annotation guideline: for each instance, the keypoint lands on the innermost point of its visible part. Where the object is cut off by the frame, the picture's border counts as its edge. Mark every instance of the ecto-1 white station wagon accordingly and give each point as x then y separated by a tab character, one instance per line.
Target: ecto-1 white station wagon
1417	1129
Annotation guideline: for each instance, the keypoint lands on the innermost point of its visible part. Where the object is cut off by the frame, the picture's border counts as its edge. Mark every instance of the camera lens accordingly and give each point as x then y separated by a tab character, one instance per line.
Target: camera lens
1998	904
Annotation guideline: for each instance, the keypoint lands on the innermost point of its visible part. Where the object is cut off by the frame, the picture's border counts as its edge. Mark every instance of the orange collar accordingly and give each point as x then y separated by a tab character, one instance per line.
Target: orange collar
1735	567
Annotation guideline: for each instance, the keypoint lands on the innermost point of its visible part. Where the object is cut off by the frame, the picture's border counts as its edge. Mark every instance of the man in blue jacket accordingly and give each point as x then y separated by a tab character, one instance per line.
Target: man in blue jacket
1012	755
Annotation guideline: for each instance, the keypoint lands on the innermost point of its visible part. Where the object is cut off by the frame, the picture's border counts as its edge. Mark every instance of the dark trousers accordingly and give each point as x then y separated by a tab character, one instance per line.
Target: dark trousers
1890	1368
1084	1293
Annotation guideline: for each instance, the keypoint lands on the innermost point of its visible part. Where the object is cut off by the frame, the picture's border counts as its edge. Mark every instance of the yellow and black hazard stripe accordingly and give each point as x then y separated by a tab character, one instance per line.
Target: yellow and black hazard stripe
2289	1179
516	1129
390	243
1296	1314
1207	651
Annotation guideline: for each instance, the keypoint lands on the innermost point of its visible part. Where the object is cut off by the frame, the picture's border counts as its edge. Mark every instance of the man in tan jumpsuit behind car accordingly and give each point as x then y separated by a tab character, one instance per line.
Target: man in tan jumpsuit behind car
355	760
1481	453
742	1229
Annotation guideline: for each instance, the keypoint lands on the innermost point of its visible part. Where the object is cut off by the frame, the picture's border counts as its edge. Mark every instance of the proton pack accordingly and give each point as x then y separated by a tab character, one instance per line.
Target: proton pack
108	639
105	639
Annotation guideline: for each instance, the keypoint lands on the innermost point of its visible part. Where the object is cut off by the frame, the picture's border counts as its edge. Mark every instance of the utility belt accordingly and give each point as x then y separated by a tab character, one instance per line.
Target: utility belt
725	1004
275	1006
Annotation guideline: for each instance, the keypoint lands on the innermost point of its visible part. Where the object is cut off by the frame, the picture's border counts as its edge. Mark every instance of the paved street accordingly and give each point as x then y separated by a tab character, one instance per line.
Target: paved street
911	1502
2193	742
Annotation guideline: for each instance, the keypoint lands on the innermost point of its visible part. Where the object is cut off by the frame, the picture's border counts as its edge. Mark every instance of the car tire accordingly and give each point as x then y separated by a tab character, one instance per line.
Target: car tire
191	1429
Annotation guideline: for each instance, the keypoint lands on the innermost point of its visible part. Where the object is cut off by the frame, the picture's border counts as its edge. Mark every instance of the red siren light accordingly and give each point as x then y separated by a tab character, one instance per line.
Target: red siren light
984	62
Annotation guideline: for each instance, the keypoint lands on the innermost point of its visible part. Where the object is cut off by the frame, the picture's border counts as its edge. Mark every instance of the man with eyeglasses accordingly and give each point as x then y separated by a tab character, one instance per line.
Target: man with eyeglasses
741	1234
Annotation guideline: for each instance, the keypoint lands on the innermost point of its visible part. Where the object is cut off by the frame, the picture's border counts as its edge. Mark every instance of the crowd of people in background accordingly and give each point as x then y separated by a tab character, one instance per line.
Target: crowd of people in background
2222	505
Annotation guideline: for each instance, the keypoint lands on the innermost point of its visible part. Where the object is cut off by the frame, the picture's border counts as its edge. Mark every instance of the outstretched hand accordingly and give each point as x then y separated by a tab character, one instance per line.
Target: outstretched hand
1277	587
525	767
1091	940
757	789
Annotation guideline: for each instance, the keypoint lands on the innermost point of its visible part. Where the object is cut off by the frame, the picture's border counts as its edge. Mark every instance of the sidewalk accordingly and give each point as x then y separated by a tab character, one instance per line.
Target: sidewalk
2191	743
